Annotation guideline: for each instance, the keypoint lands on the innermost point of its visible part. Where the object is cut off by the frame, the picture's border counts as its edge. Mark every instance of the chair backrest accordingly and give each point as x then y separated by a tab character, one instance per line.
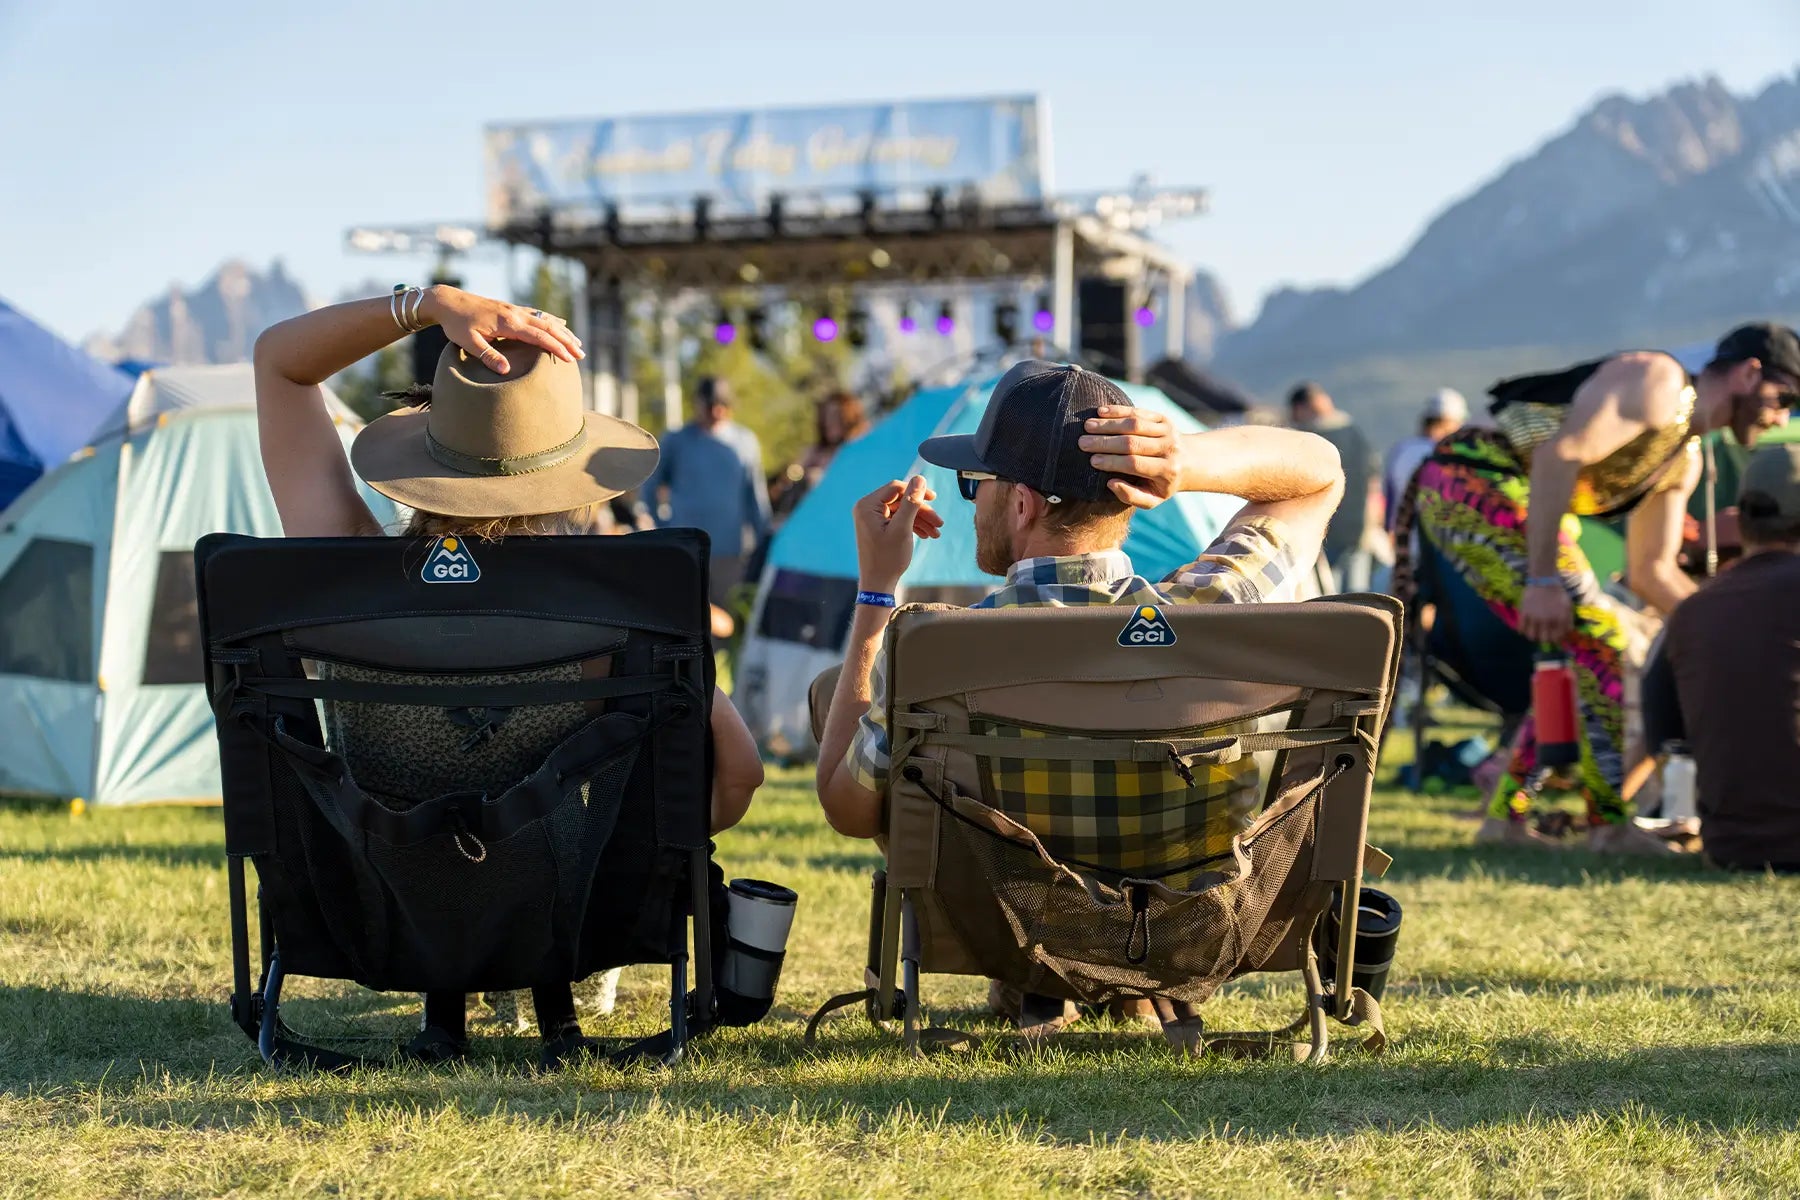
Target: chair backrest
1073	796
515	741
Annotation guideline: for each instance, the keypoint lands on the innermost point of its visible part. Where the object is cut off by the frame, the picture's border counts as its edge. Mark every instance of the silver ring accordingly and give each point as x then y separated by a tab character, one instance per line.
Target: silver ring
537	312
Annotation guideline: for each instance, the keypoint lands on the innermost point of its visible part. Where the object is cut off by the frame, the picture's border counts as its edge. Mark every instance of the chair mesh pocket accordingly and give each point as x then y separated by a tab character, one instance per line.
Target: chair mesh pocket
453	911
1046	927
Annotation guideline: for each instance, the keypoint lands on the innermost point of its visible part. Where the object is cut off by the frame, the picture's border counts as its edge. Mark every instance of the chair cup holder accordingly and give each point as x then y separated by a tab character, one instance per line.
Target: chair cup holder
1377	935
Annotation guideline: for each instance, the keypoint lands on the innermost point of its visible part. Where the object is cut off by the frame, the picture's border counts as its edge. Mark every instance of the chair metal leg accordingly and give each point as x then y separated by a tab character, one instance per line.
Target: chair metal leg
271	1010
1315	1008
678	1022
243	1000
704	1000
909	964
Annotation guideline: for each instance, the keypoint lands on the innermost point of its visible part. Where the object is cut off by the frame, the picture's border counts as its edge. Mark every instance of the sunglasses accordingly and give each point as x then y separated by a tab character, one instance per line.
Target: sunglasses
969	483
1790	387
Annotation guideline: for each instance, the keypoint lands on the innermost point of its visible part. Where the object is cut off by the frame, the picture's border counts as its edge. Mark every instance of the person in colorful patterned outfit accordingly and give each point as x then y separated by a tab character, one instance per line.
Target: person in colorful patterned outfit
1497	507
1059	464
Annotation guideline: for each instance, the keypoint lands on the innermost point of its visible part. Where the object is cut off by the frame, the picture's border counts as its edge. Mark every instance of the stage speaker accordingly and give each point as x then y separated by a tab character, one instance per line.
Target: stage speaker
1107	338
427	345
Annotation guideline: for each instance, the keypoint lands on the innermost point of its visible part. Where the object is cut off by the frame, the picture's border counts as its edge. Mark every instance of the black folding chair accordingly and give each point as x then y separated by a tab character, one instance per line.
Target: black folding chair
597	857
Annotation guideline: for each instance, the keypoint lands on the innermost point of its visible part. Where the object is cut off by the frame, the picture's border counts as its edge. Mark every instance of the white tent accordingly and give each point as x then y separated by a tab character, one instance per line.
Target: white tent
100	663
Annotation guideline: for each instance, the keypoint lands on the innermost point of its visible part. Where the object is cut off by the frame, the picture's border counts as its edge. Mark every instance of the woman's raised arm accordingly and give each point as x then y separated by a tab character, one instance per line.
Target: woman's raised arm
309	474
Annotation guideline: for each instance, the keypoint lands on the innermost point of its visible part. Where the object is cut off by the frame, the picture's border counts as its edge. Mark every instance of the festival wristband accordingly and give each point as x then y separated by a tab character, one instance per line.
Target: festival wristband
1554	581
876	599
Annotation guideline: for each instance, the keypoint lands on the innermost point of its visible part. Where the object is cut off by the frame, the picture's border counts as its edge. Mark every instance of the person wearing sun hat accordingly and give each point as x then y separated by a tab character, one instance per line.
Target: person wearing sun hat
1058	465
500	445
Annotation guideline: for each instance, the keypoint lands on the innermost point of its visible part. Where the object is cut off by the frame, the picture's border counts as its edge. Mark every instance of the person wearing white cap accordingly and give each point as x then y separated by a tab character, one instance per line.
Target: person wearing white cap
1445	412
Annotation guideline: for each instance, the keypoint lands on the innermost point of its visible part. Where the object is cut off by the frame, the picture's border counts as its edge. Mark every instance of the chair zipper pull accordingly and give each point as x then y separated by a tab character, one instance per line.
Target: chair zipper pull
1139	897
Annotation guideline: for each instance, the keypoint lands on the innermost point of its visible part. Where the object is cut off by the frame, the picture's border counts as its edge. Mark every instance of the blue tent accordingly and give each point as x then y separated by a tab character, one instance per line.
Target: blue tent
808	587
52	398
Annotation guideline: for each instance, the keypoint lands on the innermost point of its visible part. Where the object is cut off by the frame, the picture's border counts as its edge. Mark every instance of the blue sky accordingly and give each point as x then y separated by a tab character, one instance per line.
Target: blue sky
143	143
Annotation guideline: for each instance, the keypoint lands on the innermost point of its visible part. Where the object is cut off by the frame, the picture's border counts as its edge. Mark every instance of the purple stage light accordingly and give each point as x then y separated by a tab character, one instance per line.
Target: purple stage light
825	329
908	325
1145	316
946	325
1043	320
725	333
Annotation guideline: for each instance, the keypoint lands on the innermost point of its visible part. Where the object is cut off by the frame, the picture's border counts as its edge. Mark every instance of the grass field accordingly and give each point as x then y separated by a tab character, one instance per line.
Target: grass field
1564	1026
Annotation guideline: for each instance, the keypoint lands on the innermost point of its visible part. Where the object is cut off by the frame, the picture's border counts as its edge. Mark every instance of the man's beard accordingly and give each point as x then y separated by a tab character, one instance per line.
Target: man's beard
993	544
1748	418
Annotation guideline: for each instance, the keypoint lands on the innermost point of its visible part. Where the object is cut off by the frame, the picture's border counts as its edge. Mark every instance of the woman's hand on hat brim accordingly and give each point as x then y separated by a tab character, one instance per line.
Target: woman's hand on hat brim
476	322
1140	448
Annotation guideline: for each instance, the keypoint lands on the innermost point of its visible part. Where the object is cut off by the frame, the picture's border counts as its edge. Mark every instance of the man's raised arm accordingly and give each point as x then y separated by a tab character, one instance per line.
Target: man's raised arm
1294	477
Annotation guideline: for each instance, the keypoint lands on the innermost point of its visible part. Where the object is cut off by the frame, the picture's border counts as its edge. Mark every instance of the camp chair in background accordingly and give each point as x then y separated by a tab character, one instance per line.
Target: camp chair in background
1075	813
594	856
1468	649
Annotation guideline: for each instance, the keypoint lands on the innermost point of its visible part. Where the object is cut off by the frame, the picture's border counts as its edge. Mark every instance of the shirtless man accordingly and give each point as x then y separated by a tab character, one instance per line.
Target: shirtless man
1619	435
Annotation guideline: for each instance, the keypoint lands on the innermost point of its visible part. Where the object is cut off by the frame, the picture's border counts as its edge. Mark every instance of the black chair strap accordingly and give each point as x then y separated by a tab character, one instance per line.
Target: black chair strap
455	695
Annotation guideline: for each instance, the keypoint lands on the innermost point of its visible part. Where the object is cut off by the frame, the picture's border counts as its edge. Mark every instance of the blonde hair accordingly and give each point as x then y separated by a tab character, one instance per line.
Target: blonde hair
594	518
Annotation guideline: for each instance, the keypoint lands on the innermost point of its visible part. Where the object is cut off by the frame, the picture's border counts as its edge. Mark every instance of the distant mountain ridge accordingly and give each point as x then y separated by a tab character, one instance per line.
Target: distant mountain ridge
1647	215
216	322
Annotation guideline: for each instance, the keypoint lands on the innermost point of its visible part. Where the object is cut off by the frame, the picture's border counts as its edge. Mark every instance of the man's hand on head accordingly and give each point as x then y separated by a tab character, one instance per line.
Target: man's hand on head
887	520
1141	448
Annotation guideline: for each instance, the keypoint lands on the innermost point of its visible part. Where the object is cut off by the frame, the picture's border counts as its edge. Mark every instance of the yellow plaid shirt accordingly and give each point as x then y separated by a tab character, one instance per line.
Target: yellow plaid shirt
1129	817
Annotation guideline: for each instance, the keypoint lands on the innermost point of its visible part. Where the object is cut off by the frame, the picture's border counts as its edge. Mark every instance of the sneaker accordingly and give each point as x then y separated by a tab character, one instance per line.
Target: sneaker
600	993
1504	831
1626	838
435	1046
1181	1025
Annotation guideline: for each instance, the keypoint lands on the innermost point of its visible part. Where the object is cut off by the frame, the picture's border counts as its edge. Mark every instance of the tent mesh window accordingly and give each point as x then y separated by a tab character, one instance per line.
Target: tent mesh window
814	610
172	649
48	599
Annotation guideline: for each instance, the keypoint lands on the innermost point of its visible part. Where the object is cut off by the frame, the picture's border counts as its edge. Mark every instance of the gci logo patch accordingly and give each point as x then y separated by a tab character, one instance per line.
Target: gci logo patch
1147	627
450	562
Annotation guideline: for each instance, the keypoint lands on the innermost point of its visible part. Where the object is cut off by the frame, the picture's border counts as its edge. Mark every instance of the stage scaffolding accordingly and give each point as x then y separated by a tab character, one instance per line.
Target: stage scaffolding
669	257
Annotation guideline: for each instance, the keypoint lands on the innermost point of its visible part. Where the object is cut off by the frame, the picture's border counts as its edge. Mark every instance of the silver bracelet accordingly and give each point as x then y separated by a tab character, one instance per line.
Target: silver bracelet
417	296
394	306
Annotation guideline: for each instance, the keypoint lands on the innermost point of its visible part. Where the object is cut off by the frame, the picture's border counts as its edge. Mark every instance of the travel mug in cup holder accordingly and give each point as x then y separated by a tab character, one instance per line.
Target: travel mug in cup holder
758	918
1377	933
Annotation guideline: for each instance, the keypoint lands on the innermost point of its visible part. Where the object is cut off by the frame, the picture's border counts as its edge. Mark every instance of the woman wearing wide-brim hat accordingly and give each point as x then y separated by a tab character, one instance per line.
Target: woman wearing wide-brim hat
501	447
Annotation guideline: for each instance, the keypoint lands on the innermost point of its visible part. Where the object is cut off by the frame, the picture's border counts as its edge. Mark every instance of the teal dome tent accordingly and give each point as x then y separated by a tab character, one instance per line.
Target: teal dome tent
807	592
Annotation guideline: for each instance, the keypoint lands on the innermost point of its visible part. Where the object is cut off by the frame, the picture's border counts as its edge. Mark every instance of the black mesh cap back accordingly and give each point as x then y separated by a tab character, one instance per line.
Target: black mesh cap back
1031	431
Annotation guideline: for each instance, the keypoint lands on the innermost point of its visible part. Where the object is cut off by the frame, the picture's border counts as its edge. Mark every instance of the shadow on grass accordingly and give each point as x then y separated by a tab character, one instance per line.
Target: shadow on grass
1113	1084
1544	868
161	854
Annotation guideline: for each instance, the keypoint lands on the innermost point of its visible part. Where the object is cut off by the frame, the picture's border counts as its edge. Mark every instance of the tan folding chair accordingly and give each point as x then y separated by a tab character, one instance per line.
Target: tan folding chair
1075	807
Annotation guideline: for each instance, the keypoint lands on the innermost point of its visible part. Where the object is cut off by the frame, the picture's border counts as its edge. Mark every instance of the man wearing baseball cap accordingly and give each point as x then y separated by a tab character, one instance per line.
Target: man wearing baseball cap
1723	679
1612	437
1058	465
1445	412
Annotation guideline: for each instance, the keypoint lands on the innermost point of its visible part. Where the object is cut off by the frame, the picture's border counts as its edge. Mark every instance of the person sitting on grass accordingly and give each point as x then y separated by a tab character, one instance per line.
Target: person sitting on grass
1726	679
506	387
1060	462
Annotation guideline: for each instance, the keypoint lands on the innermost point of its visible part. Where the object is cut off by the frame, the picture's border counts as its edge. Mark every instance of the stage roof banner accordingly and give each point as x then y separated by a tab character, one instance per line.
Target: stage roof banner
997	146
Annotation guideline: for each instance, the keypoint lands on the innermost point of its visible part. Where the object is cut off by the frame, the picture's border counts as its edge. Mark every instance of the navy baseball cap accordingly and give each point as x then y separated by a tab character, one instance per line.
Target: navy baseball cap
1776	346
1031	431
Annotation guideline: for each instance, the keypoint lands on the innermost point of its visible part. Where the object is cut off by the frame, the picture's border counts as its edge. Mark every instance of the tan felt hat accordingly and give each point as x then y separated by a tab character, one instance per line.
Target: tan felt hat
492	445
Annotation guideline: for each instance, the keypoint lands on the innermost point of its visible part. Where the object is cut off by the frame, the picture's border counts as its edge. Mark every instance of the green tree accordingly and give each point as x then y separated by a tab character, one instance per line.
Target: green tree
550	291
775	389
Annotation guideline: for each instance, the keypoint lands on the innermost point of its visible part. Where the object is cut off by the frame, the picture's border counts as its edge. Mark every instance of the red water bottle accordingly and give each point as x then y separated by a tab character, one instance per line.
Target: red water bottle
1553	709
